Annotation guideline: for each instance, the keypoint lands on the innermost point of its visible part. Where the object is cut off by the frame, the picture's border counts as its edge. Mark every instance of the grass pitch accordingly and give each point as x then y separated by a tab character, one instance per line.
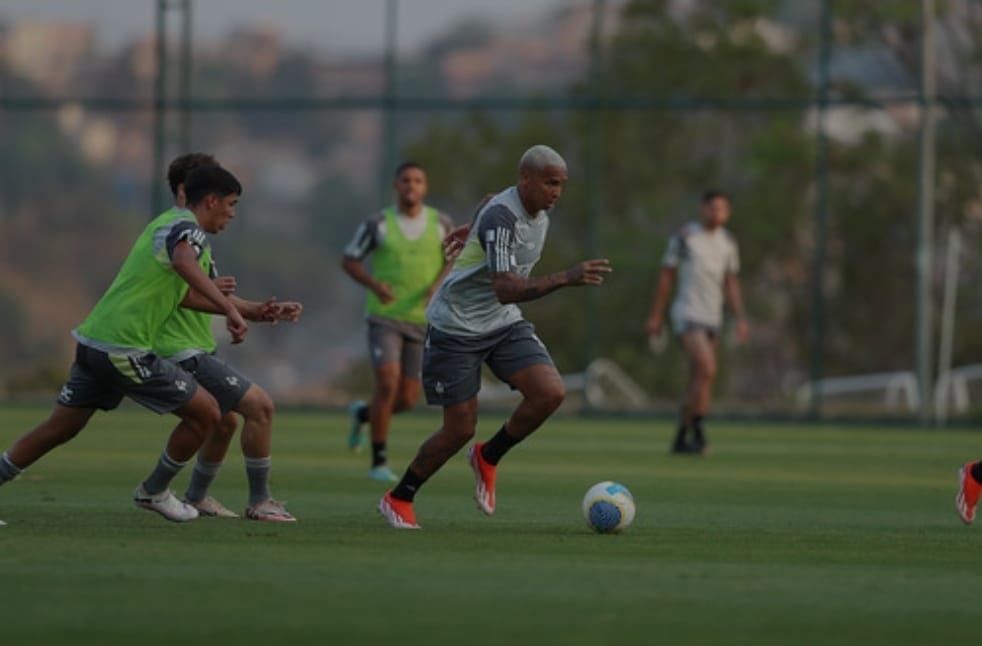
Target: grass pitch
785	535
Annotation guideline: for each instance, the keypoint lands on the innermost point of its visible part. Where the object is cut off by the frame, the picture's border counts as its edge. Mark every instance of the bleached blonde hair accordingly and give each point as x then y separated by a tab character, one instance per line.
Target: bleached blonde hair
539	157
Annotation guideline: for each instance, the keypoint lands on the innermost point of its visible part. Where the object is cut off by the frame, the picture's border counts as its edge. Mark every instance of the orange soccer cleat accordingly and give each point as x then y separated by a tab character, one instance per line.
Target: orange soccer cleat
398	513
968	493
483	479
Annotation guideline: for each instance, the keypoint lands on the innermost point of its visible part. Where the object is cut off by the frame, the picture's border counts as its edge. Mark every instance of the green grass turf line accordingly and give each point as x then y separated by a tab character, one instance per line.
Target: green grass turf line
785	535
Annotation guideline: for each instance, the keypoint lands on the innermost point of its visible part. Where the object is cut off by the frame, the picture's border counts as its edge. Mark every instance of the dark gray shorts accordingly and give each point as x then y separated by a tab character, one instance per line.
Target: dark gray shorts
452	364
686	327
101	380
226	384
397	342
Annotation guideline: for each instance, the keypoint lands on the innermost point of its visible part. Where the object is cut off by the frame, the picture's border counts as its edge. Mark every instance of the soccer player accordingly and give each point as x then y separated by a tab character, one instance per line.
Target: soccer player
704	256
114	357
969	488
186	338
405	241
474	320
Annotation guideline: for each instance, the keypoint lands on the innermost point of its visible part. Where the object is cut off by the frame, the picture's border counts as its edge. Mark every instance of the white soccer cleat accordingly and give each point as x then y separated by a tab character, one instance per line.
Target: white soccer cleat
271	511
209	506
2	524
166	504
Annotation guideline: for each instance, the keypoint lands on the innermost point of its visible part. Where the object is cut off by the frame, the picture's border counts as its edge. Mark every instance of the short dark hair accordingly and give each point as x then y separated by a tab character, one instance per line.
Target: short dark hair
406	165
711	194
205	180
177	172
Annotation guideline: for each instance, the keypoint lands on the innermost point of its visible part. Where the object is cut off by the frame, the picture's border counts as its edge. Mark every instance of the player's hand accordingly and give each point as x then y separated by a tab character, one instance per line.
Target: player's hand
589	272
742	330
384	293
225	284
453	244
275	311
236	326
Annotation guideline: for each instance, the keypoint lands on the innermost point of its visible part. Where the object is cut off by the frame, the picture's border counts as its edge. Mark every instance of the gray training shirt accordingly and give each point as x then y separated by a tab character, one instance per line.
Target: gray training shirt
504	238
703	259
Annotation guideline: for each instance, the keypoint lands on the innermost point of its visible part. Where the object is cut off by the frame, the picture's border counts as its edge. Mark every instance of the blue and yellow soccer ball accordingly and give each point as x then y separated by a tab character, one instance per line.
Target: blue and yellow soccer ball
608	507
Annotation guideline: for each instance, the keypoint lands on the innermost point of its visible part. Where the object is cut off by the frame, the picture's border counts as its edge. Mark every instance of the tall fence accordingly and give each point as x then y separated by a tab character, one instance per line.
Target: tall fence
848	146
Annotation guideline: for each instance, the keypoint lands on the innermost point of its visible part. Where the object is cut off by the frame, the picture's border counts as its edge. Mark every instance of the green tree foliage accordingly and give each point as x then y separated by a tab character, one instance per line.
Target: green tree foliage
652	167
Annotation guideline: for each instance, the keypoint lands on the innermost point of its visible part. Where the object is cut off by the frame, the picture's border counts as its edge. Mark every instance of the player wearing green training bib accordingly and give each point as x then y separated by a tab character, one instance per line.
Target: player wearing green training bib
405	242
186	338
113	356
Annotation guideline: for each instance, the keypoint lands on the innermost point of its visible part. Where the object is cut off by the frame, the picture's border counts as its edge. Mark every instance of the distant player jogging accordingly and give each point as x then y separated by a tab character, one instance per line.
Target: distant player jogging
405	243
704	257
474	320
114	354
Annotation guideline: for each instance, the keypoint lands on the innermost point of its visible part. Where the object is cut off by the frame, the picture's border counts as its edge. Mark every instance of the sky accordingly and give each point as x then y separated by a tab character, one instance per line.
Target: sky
332	25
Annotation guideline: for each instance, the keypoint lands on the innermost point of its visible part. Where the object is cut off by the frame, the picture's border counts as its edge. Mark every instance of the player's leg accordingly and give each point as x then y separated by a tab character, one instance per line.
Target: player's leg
384	349
410	381
91	385
228	387
521	360
407	391
459	425
257	448
701	351
451	379
969	488
164	386
62	425
206	468
199	416
387	377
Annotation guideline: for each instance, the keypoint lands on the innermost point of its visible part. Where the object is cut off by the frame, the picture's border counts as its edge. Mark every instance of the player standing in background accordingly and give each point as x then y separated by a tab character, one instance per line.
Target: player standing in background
405	241
114	357
704	255
474	320
186	338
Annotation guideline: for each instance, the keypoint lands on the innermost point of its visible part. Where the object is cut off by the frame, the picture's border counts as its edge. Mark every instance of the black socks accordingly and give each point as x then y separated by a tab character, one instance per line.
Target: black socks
408	486
495	448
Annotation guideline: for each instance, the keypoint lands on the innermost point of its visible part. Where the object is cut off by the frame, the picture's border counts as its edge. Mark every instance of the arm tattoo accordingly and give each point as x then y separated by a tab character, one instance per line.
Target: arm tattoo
518	290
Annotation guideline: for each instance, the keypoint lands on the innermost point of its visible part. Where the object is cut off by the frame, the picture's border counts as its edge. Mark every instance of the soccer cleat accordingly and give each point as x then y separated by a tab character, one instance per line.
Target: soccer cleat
398	513
165	504
271	511
685	448
355	438
483	479
382	473
2	524
209	506
968	494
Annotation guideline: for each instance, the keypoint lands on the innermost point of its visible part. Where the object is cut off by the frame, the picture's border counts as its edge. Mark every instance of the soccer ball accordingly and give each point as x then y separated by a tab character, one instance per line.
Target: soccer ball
608	507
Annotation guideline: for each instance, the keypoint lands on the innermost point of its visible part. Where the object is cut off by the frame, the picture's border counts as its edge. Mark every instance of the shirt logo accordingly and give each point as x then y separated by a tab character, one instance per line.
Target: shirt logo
440	389
181	385
66	394
232	381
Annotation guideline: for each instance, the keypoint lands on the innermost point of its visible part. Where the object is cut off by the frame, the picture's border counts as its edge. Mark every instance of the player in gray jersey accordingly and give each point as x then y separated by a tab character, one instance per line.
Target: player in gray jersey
704	257
474	319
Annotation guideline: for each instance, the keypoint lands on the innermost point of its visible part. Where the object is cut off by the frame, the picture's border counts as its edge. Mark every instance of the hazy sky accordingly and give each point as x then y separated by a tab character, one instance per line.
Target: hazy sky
335	25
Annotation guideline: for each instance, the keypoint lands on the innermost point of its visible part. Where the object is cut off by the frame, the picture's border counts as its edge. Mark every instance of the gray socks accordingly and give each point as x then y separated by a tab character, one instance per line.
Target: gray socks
162	474
8	470
201	478
257	472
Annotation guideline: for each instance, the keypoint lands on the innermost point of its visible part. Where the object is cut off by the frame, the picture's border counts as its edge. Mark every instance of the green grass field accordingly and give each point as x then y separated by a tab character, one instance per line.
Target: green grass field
785	535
